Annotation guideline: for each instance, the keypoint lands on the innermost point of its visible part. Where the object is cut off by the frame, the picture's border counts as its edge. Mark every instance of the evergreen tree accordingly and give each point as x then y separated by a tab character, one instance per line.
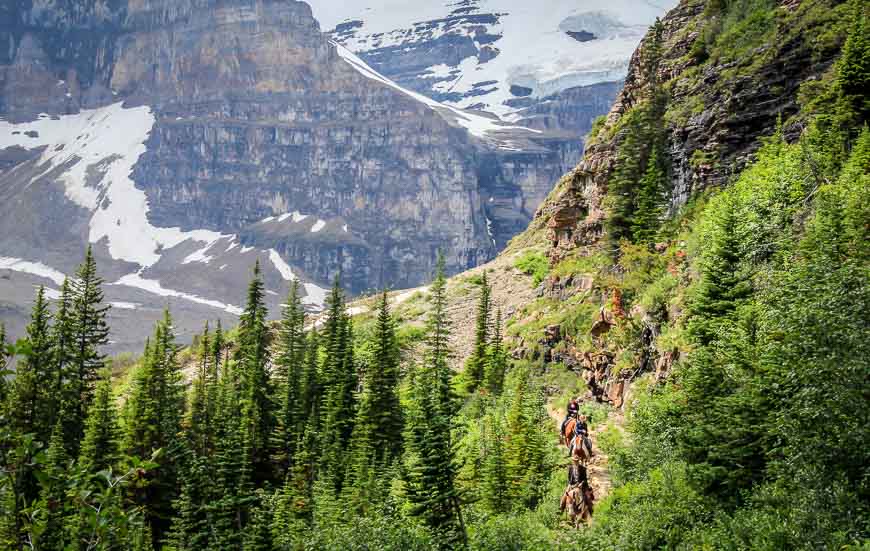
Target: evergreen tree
231	465
63	351
99	450
30	408
339	384
723	281
256	405
526	444
495	482
191	527
643	133
650	200
432	474
4	391
288	370
258	535
154	411
199	429
312	391
496	364
476	364
32	404
51	523
89	333
853	68
293	503
218	346
380	413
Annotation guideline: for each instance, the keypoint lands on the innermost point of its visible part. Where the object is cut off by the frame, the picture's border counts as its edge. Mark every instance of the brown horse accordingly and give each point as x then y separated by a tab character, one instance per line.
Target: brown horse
578	500
574	443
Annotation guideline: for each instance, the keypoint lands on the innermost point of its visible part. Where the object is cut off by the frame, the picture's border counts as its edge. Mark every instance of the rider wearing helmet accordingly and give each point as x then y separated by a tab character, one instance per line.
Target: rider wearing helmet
573	408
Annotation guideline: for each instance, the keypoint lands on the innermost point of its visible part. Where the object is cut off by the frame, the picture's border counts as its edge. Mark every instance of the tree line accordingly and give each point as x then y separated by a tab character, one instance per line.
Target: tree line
261	437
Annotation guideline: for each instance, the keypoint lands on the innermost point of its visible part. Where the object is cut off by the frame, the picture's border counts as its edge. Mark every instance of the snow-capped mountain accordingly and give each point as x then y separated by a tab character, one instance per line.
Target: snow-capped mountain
494	55
183	140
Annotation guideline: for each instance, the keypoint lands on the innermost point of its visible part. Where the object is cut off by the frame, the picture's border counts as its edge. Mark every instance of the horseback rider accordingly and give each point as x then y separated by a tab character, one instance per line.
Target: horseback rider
577	474
581	429
577	481
573	408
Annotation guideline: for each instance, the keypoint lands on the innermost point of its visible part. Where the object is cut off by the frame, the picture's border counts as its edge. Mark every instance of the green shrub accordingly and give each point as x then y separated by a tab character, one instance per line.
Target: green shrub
535	264
659	512
509	533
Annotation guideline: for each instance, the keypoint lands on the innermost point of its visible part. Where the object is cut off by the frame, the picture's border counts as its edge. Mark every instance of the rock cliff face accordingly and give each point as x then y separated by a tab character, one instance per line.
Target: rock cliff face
716	115
256	137
717	111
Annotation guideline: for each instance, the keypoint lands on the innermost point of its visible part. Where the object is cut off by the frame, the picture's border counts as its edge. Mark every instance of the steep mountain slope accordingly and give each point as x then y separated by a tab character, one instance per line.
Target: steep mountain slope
730	326
187	139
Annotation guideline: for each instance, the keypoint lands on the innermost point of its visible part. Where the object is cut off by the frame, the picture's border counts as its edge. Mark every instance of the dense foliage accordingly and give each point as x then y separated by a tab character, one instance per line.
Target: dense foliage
270	437
757	438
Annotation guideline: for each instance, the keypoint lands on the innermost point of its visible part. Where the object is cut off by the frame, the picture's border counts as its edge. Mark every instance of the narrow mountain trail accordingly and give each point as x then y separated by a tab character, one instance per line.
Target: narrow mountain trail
597	469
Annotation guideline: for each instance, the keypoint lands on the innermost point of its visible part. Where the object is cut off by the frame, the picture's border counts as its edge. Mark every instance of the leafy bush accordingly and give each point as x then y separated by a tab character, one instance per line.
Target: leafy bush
655	513
535	264
509	533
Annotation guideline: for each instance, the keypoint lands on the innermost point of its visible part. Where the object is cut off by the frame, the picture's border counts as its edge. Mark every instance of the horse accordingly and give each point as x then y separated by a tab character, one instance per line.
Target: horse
574	442
578	499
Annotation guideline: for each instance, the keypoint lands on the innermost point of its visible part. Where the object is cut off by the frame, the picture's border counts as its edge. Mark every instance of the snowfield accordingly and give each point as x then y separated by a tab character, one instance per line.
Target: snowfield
477	125
535	50
99	148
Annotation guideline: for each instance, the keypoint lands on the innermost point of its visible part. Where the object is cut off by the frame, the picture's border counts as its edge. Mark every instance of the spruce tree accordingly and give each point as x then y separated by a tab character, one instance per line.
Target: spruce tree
432	474
288	372
526	444
199	429
230	465
192	525
380	413
853	67
52	500
293	502
312	388
496	364
476	364
89	333
495	483
154	411
4	391
724	282
31	406
63	351
258	534
650	201
256	405
339	384
34	402
99	450
218	346
28	408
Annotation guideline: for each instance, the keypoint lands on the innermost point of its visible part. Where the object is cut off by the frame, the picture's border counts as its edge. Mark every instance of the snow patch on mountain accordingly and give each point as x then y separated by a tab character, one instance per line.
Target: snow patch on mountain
33	268
512	42
153	286
97	149
477	125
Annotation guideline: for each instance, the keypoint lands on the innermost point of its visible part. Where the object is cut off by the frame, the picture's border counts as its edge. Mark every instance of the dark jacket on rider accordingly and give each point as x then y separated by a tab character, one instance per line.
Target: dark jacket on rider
577	475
